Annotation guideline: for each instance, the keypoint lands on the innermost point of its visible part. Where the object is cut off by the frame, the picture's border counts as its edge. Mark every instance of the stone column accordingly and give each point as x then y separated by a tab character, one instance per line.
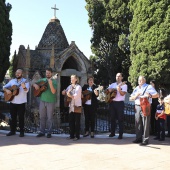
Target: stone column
83	79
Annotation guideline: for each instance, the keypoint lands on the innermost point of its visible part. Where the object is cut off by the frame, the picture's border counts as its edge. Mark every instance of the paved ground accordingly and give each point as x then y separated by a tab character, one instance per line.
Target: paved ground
100	153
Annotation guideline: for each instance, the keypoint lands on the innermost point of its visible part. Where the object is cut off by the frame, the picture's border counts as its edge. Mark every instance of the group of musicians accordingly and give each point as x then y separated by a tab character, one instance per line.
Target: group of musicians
76	95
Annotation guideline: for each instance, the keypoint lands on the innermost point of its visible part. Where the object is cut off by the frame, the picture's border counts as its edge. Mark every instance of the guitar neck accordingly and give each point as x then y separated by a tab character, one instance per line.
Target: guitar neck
45	83
123	83
18	86
52	78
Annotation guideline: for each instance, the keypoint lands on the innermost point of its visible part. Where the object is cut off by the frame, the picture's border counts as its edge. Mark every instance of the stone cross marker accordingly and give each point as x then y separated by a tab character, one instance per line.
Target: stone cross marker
54	10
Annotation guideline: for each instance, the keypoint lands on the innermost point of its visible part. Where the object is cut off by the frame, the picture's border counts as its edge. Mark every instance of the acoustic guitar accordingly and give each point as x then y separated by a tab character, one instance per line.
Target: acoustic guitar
43	87
167	104
86	95
67	101
109	96
14	92
167	108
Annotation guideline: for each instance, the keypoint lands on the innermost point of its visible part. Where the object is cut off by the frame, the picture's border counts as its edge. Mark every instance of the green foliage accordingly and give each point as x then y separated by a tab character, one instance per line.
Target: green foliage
5	38
100	74
150	40
13	65
109	20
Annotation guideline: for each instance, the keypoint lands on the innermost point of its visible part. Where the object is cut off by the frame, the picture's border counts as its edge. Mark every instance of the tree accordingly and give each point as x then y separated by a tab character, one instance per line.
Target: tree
109	20
100	74
13	65
5	38
150	40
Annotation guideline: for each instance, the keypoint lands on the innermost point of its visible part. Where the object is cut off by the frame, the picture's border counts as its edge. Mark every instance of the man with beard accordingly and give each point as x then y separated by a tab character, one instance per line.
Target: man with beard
17	105
47	103
116	105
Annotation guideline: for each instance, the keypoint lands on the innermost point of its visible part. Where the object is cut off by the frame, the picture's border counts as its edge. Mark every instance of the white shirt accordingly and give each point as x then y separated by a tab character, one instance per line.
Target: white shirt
22	96
76	101
149	89
118	97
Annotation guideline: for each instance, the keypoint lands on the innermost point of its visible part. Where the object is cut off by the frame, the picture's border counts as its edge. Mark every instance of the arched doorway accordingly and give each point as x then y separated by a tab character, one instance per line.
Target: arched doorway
70	67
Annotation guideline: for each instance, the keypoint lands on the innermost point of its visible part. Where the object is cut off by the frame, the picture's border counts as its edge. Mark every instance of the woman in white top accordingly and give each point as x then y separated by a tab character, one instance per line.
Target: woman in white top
74	91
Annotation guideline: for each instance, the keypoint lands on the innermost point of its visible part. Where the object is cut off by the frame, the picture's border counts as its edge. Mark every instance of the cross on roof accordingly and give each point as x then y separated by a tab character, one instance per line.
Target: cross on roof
54	10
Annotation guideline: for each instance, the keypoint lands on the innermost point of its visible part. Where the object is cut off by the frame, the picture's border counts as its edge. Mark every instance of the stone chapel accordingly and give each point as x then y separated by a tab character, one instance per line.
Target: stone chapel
54	51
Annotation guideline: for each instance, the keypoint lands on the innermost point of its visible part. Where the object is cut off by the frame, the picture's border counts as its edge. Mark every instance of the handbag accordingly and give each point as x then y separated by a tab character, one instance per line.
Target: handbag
77	109
145	105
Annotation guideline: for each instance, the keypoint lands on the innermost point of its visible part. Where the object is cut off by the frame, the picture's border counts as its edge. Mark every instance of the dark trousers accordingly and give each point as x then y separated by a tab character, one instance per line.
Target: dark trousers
160	128
116	109
153	120
168	124
89	112
74	122
17	110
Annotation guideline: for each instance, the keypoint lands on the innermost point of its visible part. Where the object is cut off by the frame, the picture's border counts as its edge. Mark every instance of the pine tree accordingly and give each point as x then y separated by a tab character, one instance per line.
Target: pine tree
5	38
109	20
13	65
150	40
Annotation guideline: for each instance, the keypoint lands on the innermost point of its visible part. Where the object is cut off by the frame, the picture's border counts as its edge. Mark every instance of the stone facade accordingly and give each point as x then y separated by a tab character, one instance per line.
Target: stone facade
54	51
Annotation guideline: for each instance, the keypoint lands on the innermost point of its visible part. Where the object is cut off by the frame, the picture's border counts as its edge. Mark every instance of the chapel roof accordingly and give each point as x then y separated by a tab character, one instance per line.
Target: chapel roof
53	35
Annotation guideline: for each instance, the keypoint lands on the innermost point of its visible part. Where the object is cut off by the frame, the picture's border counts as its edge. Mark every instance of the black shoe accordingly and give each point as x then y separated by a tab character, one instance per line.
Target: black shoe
157	138
161	139
120	137
10	133
21	134
92	134
137	141
144	144
40	135
48	135
75	139
153	133
112	135
167	135
86	134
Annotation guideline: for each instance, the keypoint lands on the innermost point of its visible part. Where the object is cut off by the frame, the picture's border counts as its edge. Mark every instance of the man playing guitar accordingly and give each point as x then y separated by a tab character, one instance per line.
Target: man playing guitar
17	105
47	103
116	107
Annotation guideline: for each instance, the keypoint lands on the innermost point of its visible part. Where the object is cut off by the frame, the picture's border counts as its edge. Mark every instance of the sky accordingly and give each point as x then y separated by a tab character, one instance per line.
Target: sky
30	18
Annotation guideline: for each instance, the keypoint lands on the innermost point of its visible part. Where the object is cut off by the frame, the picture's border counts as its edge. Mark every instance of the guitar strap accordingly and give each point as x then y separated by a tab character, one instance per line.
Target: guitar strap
73	89
145	90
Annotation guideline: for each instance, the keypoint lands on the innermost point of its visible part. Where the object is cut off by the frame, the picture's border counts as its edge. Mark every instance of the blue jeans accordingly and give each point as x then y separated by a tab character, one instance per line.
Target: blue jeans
160	128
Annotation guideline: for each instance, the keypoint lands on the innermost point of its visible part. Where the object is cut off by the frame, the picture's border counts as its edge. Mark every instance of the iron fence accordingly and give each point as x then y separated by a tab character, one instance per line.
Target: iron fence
61	120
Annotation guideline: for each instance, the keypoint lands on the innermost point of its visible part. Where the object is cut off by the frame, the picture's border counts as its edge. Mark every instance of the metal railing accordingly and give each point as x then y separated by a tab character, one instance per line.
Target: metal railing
61	121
